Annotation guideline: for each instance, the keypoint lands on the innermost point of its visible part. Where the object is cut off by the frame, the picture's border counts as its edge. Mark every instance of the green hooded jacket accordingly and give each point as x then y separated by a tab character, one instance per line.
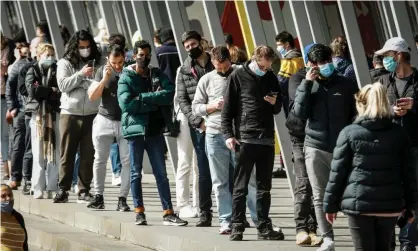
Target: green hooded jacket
137	101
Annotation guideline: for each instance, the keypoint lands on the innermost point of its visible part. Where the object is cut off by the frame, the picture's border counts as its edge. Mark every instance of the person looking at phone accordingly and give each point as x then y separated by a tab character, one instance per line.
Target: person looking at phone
74	76
402	91
249	109
326	101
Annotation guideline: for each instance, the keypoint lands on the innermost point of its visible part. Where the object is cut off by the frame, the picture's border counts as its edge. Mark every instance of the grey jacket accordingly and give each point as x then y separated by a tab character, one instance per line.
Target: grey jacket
74	86
210	88
13	97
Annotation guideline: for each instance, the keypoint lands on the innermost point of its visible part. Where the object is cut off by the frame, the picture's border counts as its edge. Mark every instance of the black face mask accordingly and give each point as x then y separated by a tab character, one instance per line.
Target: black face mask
143	62
225	74
195	52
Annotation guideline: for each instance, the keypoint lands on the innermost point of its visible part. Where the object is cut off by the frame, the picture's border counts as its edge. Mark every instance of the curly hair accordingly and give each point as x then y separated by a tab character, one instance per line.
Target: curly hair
220	53
71	53
339	47
263	51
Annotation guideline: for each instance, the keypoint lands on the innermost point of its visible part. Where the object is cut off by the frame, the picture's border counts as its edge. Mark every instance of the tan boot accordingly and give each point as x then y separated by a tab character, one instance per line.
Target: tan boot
14	185
302	238
315	240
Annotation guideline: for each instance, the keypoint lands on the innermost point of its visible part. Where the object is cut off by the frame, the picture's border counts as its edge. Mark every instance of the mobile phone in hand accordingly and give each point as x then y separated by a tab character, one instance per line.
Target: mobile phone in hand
271	94
90	63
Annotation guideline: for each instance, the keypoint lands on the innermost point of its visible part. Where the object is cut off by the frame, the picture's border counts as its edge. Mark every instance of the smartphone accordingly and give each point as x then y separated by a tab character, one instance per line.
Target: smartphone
90	63
271	94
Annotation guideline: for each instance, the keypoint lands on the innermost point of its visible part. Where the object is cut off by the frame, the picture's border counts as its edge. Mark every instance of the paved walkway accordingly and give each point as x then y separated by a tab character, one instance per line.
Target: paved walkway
120	225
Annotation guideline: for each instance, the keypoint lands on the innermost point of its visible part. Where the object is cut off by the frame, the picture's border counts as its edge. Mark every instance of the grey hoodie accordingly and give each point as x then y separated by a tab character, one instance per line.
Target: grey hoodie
210	88
74	86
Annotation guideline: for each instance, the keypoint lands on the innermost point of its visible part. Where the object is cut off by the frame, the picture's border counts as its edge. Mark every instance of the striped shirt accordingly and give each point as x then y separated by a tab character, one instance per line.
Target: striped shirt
12	235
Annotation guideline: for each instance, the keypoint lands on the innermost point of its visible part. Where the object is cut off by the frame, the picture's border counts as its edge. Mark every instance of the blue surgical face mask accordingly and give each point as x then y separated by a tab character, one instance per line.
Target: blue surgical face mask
7	206
254	67
326	70
281	50
390	64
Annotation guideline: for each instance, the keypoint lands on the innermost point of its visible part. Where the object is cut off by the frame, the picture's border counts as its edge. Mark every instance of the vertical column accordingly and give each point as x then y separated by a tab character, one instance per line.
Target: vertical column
27	21
323	21
258	35
383	20
276	14
215	28
51	17
177	25
155	14
39	11
5	25
106	10
76	11
301	22
315	24
184	16
352	32
64	17
404	28
245	28
387	12
129	16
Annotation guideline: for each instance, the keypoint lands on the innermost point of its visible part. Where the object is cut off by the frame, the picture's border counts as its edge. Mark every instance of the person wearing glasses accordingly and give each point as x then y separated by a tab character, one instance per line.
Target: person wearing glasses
144	94
252	96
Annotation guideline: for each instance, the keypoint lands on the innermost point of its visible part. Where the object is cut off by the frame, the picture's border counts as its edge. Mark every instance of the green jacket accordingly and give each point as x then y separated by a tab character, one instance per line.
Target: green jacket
137	101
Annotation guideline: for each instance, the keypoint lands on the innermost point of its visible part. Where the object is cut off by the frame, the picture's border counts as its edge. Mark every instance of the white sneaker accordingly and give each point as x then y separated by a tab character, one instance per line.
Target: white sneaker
327	245
38	194
74	189
116	181
187	212
225	229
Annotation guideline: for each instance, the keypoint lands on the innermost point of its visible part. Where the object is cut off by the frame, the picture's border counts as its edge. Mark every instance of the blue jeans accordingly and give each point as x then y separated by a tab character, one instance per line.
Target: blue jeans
205	181
221	159
4	132
76	168
115	159
155	149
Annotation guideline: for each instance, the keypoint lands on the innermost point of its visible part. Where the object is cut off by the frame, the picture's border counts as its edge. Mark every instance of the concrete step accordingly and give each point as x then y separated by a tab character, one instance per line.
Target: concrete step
46	234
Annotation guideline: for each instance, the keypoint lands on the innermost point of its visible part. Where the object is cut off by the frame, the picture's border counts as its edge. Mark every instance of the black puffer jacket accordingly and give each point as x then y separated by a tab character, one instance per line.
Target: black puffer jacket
328	106
410	120
373	170
376	74
13	97
245	105
187	81
42	85
295	124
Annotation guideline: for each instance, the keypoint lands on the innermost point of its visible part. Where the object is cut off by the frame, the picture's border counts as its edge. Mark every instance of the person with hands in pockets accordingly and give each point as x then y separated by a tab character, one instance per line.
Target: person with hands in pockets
75	75
252	96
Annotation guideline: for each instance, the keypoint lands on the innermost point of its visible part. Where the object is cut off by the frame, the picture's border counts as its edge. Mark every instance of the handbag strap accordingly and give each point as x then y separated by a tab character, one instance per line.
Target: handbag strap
176	113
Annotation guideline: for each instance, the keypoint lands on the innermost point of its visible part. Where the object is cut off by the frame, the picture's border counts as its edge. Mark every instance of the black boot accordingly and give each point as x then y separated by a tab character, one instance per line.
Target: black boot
237	232
266	232
205	220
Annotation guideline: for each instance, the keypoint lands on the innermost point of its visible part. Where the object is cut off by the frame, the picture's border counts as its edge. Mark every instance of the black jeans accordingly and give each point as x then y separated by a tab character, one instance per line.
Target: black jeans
27	157
18	159
305	218
371	233
263	158
205	180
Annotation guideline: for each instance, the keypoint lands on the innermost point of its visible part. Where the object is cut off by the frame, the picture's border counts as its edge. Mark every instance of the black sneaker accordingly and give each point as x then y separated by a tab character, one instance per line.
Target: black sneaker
246	224
205	220
173	220
61	197
268	233
84	198
236	233
140	219
407	248
26	187
97	202
122	206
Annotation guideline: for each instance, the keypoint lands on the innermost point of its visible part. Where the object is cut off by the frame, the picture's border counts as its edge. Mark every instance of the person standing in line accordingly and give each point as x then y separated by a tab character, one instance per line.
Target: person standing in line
107	127
341	58
208	103
157	38
305	219
143	93
325	100
402	90
74	76
197	64
373	173
167	55
43	103
251	99
378	68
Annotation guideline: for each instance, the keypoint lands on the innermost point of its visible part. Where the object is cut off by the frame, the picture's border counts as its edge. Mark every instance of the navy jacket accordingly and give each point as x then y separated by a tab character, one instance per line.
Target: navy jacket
168	60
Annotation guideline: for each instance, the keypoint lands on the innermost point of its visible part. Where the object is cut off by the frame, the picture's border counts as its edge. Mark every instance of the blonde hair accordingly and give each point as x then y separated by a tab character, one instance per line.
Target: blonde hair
42	48
372	102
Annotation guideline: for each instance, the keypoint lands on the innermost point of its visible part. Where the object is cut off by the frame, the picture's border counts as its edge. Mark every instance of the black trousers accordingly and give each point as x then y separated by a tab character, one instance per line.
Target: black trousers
305	218
263	158
371	233
21	157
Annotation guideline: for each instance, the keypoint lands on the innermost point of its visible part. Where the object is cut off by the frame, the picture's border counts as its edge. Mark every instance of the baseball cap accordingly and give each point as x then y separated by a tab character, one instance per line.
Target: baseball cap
394	44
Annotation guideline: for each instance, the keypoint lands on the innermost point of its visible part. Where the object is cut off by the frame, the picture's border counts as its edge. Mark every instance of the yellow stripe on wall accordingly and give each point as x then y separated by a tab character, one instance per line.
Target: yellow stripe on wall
249	44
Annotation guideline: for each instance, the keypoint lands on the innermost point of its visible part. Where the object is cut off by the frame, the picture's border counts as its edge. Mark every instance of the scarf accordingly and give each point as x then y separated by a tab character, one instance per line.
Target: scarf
45	123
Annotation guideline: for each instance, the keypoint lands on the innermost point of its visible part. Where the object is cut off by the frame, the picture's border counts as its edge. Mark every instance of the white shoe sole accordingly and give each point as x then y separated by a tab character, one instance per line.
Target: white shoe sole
169	223
83	202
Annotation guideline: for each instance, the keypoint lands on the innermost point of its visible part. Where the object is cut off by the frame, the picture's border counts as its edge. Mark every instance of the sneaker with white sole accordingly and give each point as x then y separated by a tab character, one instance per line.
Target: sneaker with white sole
116	181
327	245
173	220
38	194
225	229
188	212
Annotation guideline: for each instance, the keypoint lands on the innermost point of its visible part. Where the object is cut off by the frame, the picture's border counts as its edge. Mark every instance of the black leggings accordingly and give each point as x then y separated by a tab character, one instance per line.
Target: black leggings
371	233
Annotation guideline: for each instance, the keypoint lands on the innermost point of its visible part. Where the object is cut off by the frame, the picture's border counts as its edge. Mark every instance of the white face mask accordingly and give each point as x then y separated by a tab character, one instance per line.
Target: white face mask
84	53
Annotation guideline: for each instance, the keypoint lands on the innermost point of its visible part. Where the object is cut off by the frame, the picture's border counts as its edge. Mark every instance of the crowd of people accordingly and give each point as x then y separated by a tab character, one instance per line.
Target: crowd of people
353	150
